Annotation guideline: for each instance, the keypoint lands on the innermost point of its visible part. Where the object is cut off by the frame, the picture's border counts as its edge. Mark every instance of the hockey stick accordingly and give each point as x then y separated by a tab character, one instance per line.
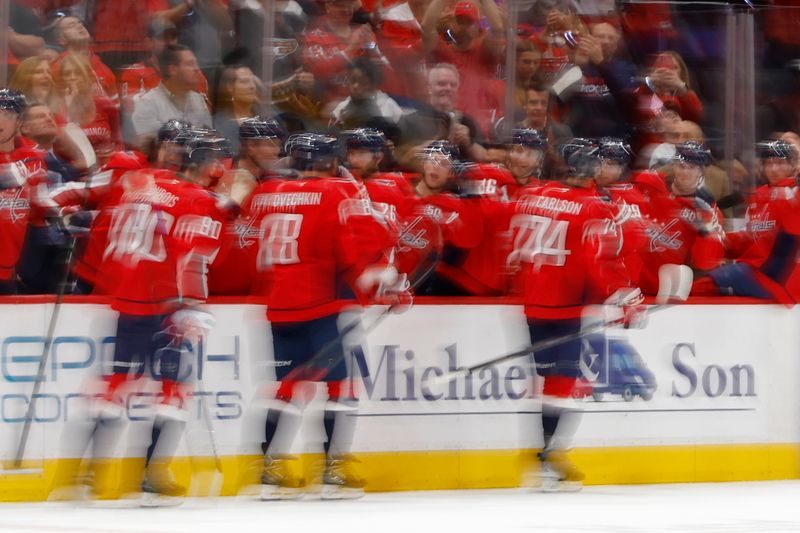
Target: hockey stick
215	486
78	137
675	282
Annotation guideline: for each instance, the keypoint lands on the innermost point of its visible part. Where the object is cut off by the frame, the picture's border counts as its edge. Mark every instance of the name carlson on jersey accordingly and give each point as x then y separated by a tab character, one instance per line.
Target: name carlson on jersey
534	204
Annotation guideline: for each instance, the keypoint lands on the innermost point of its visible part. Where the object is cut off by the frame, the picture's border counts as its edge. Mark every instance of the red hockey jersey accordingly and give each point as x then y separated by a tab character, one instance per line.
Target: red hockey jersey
569	242
674	237
312	233
160	240
481	269
771	241
23	170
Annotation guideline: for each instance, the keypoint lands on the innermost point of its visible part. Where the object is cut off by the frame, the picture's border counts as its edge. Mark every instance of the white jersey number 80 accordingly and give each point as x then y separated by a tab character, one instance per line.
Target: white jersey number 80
279	234
539	240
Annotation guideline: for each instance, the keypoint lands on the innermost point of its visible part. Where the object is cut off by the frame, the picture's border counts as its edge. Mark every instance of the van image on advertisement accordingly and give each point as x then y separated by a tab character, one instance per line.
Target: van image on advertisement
611	365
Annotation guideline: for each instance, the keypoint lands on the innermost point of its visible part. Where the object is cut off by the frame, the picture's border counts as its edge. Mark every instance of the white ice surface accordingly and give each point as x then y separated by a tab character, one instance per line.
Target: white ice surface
728	507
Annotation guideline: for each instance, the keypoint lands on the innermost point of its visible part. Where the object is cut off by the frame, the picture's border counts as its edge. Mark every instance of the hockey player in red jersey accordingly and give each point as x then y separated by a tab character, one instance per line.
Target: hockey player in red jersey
480	270
164	228
685	229
391	193
567	237
314	232
633	207
100	192
22	173
459	220
525	159
234	272
766	251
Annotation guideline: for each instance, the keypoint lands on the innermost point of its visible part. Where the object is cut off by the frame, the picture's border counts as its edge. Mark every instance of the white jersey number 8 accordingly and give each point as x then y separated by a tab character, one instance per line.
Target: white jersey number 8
539	240
279	234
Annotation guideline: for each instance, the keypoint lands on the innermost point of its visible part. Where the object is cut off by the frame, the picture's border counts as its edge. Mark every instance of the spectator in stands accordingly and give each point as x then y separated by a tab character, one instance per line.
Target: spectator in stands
335	40
441	119
39	125
529	58
174	98
667	85
537	108
77	102
25	36
207	30
71	34
238	98
366	101
474	52
596	105
140	77
34	79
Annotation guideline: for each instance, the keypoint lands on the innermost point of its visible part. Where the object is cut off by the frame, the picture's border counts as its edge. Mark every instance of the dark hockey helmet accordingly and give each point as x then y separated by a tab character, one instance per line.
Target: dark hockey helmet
365	139
693	153
582	157
205	145
261	128
530	138
171	129
309	151
614	149
442	148
778	149
12	100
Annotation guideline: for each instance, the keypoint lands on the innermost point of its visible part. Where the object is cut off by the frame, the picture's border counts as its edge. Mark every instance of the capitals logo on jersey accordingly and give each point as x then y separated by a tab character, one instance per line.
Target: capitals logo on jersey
662	238
246	233
414	235
14	204
759	220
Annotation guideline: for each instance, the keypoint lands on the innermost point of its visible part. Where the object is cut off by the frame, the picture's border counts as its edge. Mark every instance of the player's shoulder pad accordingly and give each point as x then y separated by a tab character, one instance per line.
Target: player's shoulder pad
650	180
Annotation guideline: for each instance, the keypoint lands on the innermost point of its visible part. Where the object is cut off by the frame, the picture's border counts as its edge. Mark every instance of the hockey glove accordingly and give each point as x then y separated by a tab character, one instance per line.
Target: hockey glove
626	307
384	285
189	325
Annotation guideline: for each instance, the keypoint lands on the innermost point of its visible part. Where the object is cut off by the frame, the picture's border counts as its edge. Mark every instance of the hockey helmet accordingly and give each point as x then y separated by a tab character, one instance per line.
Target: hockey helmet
261	128
693	153
12	100
365	139
614	149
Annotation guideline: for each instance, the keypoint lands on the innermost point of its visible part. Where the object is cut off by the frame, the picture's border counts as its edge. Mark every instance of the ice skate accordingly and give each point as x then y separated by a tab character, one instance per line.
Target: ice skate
559	474
159	487
278	481
340	482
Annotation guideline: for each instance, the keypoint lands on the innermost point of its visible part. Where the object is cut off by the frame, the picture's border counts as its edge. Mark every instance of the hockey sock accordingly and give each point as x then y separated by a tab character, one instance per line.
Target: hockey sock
165	437
329	420
270	428
550	418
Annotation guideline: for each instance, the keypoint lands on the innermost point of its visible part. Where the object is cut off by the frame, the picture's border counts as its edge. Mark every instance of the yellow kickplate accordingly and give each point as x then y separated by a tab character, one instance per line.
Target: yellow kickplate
424	470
